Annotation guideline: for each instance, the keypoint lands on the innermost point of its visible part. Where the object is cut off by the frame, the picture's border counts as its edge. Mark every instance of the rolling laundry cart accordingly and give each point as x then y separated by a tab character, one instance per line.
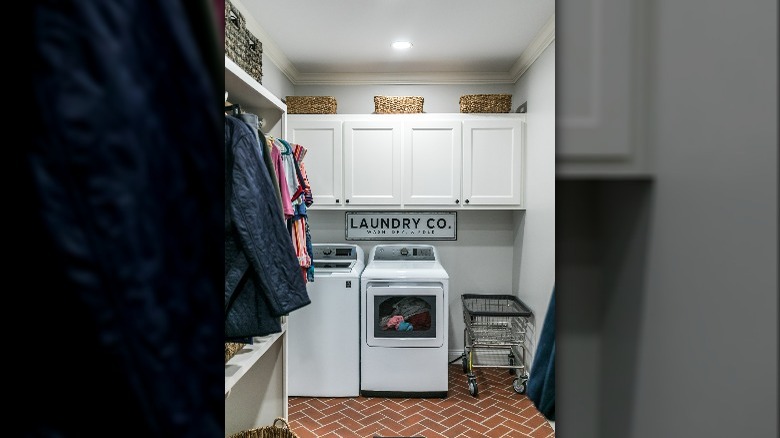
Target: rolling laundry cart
495	337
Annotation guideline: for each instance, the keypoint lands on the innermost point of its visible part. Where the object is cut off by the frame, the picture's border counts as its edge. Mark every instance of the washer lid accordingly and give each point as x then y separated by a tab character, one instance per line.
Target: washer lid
334	265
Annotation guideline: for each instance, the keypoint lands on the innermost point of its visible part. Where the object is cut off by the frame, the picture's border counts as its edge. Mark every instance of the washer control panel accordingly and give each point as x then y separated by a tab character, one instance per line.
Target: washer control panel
405	252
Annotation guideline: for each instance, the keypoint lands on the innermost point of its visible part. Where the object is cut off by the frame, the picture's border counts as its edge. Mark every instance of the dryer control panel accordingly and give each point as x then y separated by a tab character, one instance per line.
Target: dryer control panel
405	252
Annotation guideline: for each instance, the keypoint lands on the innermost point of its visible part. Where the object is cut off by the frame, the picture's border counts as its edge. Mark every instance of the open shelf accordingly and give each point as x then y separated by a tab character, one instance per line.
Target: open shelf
245	358
246	91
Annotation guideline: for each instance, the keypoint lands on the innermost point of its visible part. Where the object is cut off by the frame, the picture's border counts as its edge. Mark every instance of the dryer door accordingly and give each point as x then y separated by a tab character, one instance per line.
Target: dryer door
404	314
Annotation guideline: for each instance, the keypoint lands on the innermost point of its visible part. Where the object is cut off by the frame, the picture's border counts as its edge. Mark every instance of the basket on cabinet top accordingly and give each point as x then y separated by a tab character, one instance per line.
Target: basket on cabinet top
398	104
485	103
311	104
241	46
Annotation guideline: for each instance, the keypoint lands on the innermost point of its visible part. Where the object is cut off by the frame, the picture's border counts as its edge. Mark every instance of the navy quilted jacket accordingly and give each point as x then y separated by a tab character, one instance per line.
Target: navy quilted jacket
262	277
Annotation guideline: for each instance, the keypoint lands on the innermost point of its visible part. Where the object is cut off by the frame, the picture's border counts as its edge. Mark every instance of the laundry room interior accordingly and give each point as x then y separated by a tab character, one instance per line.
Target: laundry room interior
488	171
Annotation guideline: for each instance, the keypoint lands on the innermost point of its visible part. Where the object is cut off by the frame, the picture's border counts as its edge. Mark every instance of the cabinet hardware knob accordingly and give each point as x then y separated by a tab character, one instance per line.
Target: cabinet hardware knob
467	201
457	201
337	201
347	201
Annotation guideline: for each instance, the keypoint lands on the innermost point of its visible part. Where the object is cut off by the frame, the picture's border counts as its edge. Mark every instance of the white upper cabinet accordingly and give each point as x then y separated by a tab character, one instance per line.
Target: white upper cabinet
493	160
432	162
413	161
323	143
600	68
372	162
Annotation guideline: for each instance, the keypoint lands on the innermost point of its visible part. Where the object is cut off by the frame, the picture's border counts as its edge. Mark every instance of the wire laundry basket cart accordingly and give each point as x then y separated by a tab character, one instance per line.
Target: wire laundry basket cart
495	337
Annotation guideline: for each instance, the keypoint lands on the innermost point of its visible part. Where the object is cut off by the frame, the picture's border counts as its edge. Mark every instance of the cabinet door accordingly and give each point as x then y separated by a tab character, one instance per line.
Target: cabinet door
493	161
323	160
432	163
372	160
600	52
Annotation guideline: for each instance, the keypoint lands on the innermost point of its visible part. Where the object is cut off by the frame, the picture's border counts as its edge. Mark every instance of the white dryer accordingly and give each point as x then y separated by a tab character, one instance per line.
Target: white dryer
323	337
403	323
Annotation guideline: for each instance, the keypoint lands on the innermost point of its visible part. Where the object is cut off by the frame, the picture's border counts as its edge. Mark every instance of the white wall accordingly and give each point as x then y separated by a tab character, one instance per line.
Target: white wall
533	275
359	99
480	261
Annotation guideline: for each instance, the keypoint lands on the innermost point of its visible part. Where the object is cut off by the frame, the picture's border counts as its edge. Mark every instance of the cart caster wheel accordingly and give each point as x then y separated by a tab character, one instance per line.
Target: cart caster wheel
473	388
465	364
519	386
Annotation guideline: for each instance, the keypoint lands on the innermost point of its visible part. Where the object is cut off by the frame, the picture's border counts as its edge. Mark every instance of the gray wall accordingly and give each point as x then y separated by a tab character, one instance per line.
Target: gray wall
359	99
534	246
668	289
480	261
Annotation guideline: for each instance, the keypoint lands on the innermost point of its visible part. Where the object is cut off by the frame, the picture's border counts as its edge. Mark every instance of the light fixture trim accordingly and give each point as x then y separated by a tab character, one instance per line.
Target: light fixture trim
401	45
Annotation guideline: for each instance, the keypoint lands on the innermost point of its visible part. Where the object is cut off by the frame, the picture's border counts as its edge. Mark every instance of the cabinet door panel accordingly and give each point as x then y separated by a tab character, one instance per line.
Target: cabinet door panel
323	160
493	162
432	162
372	162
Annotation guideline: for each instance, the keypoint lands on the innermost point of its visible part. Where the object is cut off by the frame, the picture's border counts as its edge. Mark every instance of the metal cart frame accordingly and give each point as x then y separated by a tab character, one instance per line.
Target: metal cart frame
494	337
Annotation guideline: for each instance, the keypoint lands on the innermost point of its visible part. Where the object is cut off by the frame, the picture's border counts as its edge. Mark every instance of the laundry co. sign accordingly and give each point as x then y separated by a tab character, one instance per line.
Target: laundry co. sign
401	226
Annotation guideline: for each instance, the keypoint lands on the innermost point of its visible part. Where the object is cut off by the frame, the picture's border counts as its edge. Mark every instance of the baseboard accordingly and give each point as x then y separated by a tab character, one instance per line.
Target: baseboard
454	354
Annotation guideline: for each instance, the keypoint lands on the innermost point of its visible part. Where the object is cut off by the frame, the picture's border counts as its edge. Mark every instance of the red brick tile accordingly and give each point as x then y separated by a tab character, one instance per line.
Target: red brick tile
493	421
372	418
417	429
430	424
412	419
350	424
473	416
500	431
308	423
489	412
332	409
535	421
514	425
326	429
542	431
473	425
456	430
346	433
302	432
453	420
393	415
427	413
451	410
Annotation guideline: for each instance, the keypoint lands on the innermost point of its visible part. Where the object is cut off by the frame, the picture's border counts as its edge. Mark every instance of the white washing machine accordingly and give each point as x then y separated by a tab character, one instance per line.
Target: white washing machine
323	337
403	323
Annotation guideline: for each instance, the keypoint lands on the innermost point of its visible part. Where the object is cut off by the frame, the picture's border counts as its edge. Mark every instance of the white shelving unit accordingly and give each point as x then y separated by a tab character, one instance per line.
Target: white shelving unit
255	98
256	377
247	357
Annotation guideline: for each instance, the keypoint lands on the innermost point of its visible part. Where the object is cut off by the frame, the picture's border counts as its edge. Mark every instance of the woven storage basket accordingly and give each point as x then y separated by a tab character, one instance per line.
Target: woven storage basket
268	431
485	103
235	35
240	45
231	348
311	104
398	104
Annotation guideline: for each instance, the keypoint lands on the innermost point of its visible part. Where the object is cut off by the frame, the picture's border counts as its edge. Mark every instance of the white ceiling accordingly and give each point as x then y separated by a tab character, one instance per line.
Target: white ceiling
470	39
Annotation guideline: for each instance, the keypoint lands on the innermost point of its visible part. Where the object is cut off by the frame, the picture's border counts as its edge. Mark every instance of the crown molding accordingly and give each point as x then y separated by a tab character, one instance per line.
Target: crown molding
425	78
543	38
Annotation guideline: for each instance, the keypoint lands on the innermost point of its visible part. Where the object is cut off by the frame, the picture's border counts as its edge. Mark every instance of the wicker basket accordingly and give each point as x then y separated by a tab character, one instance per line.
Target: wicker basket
268	431
240	45
231	348
235	35
485	103
398	104
311	104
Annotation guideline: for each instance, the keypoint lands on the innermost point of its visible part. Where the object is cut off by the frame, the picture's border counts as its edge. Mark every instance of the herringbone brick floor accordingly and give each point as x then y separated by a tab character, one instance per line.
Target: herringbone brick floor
498	411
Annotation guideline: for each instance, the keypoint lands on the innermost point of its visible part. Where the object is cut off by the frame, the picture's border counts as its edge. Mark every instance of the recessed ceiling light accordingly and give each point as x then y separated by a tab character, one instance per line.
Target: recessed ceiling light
402	45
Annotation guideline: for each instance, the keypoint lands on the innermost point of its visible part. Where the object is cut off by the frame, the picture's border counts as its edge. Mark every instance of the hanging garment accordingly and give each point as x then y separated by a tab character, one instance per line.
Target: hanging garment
299	152
118	214
262	276
541	382
281	179
254	122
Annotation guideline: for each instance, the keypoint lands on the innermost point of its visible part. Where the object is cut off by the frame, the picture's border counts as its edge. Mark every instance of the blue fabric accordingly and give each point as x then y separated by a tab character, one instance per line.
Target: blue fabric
119	239
541	383
404	327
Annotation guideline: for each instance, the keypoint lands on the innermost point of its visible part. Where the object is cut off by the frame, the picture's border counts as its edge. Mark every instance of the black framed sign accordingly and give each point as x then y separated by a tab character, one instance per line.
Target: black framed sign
401	225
